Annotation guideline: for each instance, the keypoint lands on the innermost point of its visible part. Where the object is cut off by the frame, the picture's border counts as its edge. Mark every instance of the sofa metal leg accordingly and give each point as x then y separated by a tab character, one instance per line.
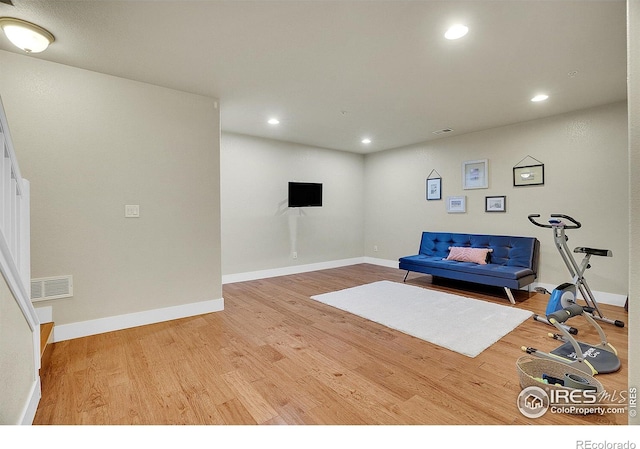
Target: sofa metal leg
405	277
510	295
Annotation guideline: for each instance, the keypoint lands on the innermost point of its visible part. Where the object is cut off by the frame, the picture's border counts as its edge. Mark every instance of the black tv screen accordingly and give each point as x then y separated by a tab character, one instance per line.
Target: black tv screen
305	194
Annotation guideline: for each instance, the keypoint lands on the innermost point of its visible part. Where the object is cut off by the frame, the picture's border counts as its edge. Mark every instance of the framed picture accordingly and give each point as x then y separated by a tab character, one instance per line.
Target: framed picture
528	175
434	189
456	204
475	174
495	203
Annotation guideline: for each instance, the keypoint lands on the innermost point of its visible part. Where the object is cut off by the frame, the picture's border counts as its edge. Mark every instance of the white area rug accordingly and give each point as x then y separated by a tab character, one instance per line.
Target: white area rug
465	325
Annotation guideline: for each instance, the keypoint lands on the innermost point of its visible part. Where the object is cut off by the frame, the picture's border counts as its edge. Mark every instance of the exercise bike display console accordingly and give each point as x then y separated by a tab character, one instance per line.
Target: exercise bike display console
565	294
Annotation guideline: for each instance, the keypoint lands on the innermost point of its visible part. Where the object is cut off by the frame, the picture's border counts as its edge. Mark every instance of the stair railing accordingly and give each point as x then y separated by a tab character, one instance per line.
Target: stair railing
15	259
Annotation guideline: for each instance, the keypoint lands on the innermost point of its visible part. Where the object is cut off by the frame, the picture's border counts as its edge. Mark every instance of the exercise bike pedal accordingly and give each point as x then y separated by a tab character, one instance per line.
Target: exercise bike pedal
556	336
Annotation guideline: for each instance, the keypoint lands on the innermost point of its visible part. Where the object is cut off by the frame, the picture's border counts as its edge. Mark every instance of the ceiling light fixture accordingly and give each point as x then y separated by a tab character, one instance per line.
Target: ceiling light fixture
273	121
366	140
539	97
456	32
26	36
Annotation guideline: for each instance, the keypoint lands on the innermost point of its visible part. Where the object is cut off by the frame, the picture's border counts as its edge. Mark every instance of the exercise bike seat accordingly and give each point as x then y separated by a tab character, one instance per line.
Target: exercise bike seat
594	251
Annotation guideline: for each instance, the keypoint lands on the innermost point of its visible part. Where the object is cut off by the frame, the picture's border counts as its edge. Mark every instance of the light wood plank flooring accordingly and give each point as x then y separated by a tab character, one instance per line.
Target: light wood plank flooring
274	356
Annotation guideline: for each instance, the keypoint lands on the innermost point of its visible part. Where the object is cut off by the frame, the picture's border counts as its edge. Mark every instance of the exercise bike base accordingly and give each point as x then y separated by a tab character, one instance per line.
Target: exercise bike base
602	360
617	323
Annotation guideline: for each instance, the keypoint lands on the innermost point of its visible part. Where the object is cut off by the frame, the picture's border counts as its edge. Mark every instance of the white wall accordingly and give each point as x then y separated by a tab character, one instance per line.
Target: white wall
91	143
259	231
586	176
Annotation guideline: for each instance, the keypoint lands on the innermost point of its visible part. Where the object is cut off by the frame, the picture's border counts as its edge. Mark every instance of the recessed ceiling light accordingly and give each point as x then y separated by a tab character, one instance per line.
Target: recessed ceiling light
273	121
366	140
540	97
456	32
26	36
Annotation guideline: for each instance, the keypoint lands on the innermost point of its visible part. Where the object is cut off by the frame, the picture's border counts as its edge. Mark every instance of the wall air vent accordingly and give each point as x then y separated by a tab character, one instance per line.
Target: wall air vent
44	289
443	131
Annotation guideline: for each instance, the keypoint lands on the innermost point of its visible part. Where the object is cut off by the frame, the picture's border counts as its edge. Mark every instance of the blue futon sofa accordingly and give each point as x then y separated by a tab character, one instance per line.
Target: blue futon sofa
511	262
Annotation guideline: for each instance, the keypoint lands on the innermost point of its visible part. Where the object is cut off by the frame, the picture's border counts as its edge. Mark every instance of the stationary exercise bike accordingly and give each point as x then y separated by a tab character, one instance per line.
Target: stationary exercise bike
564	295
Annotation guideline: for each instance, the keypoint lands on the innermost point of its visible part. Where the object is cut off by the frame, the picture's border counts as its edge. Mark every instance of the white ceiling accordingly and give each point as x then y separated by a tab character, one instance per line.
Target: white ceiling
337	71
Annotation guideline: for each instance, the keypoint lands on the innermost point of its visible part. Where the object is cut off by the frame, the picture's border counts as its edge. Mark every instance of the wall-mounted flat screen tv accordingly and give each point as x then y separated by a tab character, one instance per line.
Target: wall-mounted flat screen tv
305	194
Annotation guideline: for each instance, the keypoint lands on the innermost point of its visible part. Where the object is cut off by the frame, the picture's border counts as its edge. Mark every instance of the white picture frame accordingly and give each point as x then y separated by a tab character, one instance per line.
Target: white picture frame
475	174
456	204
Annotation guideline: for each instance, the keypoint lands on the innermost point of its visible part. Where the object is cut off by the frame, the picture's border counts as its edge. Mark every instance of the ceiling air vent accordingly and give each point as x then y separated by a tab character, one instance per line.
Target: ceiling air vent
43	289
443	131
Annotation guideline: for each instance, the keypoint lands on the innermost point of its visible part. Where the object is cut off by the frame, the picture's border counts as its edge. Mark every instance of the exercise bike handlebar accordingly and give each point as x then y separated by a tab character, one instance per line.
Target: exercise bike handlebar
576	224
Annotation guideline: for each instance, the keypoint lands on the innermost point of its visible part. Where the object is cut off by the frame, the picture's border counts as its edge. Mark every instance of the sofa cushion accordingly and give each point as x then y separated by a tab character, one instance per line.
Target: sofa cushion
466	254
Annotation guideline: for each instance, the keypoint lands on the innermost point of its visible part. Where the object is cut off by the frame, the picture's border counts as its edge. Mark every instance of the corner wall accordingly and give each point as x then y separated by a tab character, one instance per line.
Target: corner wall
585	161
259	231
92	143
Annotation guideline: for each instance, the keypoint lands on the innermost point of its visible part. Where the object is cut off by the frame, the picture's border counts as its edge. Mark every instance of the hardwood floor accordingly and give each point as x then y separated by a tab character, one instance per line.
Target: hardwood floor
274	356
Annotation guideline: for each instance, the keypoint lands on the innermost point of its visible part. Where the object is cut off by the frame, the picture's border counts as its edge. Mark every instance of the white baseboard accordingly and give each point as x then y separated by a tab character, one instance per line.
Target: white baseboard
92	327
31	406
285	271
382	262
612	299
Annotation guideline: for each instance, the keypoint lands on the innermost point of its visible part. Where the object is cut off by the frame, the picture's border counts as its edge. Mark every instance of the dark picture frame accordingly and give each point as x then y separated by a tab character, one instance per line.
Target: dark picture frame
495	203
528	175
434	189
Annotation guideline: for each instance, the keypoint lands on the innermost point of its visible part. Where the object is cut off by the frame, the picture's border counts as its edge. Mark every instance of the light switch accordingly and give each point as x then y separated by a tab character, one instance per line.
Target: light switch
132	211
